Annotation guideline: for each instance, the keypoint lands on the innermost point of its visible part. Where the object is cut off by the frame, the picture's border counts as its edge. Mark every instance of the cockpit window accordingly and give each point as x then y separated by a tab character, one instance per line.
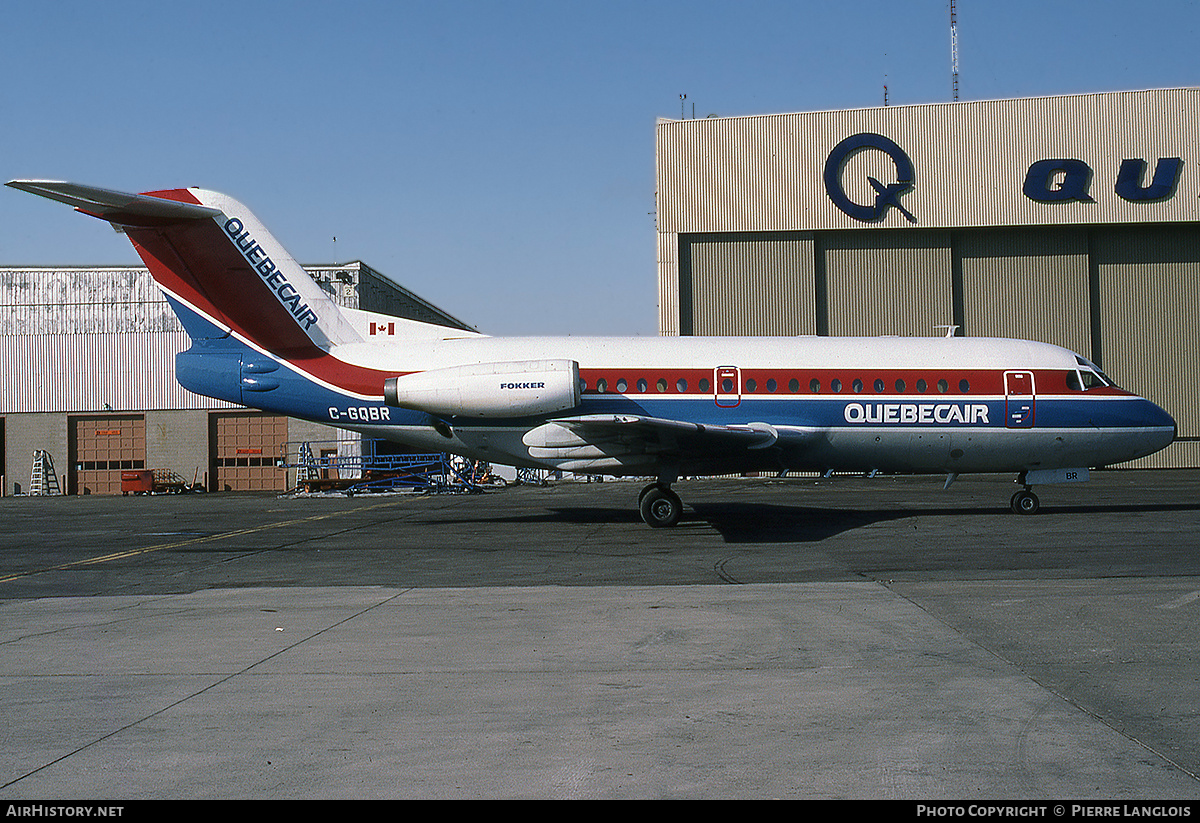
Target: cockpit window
1088	376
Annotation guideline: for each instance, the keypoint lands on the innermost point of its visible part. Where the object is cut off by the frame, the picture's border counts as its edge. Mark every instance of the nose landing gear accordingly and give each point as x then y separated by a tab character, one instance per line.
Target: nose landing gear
1025	502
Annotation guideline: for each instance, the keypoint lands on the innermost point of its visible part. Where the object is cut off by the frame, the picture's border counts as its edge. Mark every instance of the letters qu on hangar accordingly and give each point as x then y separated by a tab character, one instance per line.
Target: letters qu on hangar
1049	180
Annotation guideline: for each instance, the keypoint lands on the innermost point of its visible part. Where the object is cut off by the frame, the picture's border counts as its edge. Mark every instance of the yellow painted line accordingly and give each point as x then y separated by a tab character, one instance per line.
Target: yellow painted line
106	558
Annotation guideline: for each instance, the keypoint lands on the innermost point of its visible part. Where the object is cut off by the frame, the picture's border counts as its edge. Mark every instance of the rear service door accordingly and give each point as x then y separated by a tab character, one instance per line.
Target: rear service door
1019	399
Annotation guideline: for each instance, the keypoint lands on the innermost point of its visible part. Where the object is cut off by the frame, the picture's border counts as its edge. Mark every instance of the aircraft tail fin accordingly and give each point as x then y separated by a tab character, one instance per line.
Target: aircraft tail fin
213	258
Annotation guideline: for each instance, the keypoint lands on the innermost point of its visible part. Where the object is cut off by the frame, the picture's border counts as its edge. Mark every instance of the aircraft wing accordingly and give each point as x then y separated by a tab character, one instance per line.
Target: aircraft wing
654	435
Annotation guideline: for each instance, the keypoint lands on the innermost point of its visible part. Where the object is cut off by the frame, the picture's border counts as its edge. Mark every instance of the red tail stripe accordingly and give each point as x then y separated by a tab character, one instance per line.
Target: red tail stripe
195	260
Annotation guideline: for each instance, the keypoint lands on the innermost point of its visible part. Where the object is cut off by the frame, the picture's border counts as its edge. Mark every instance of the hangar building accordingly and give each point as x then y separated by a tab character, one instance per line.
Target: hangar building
1071	220
89	376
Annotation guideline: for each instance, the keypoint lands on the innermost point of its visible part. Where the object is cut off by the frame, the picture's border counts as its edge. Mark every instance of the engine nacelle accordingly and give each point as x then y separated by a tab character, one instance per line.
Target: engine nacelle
517	389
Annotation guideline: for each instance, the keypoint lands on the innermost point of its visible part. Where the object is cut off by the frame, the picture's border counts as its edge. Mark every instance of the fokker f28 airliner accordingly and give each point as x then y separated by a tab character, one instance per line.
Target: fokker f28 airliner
265	335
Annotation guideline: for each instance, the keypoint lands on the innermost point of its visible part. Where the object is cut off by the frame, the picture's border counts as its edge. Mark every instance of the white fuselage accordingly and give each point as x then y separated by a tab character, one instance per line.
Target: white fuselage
885	403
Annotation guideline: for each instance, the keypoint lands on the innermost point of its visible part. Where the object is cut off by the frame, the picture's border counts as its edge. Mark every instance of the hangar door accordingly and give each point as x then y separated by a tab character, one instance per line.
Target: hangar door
100	448
747	284
245	449
888	282
1149	287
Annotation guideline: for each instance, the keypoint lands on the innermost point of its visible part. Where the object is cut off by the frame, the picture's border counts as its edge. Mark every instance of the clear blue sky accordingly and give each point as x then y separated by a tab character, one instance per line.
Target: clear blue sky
497	158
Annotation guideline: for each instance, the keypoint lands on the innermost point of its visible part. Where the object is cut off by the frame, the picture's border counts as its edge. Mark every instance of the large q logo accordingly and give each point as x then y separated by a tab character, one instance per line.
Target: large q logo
886	196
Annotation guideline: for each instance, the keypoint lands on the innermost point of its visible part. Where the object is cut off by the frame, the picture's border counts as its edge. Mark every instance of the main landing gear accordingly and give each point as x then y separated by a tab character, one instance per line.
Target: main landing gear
660	507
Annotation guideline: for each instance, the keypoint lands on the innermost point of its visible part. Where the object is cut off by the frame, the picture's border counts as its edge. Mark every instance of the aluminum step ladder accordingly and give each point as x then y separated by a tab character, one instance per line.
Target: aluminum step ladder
306	464
43	480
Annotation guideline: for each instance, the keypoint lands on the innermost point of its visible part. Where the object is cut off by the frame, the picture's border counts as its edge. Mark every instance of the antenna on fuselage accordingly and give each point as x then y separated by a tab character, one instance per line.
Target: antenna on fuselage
949	329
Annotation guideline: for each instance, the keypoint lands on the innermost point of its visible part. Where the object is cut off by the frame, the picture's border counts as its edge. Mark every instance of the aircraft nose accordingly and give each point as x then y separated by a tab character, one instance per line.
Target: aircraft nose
1166	418
1160	427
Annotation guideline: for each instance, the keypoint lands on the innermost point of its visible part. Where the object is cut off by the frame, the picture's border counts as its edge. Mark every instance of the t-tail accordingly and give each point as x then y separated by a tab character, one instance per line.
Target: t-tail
212	256
246	303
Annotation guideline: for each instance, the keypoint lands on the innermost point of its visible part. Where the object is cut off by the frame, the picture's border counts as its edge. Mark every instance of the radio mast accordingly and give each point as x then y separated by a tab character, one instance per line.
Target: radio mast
954	49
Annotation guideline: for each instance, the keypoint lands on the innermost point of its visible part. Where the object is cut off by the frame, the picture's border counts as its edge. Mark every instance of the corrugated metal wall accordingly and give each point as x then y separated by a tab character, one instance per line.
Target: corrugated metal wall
668	285
82	301
1149	294
1030	284
89	339
94	371
888	283
752	287
766	172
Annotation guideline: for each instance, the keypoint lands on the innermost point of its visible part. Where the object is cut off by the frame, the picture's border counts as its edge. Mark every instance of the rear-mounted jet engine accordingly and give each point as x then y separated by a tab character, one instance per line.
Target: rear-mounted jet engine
505	390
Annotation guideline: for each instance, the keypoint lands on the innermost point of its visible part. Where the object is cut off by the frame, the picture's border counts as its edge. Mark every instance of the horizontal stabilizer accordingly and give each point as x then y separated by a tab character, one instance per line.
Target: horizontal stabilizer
116	206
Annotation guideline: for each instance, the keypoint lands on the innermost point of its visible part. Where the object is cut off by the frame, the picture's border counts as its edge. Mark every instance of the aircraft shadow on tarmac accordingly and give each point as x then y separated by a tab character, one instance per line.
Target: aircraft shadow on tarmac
769	523
735	522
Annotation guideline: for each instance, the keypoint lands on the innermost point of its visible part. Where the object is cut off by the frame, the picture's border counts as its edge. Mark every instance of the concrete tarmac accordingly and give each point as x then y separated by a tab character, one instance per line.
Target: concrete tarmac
803	638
